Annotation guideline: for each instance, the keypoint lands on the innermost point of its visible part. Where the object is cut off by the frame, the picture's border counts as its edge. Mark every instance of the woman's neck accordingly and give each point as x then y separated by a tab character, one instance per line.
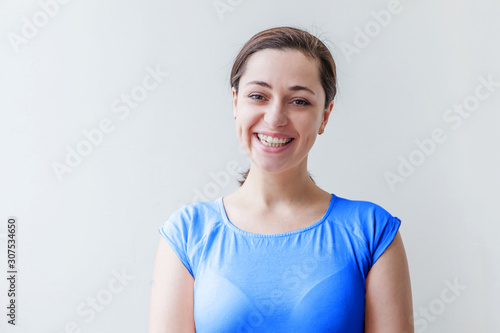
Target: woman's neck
269	191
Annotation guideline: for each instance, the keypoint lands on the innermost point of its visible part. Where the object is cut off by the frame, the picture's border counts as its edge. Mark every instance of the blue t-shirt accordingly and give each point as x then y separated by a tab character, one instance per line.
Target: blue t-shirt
306	280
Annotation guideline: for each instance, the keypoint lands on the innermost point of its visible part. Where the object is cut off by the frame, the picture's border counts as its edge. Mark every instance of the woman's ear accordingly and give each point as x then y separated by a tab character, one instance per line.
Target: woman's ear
326	116
235	100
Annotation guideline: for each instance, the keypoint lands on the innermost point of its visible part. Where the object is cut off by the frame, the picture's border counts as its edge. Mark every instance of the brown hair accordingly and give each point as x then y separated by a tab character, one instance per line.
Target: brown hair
288	38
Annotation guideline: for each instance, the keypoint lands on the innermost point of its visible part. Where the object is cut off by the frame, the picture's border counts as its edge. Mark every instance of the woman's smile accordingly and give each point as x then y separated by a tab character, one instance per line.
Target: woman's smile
272	144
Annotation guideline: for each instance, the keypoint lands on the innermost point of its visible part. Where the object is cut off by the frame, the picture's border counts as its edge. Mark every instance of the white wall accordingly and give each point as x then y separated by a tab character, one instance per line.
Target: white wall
76	232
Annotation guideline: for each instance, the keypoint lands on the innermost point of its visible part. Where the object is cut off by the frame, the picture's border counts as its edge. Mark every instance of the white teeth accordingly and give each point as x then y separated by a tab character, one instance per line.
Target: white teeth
270	141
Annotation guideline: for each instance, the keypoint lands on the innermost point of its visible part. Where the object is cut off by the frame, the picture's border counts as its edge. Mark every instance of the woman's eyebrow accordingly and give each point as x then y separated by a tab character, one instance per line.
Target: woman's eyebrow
267	85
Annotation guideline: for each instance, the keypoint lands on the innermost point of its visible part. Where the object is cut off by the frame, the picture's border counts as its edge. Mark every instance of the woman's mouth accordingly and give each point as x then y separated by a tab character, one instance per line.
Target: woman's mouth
273	142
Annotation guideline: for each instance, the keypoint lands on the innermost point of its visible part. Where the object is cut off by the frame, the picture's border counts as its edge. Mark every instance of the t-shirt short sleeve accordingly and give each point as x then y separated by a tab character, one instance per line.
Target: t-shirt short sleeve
385	228
175	231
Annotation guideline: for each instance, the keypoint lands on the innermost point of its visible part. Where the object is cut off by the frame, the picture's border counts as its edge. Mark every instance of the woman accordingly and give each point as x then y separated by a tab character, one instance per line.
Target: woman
280	254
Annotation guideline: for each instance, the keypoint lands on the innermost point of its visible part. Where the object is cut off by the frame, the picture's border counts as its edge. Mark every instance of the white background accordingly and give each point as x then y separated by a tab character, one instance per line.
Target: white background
78	230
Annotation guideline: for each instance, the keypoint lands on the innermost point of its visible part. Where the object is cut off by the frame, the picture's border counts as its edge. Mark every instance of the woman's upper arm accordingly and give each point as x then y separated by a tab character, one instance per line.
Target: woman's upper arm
172	296
388	302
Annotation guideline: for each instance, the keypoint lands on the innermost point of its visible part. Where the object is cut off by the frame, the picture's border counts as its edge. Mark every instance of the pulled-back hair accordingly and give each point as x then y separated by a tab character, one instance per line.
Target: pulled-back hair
288	38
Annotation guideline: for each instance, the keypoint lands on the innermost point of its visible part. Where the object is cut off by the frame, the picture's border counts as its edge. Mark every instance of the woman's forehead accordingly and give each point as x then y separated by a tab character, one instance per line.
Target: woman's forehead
288	67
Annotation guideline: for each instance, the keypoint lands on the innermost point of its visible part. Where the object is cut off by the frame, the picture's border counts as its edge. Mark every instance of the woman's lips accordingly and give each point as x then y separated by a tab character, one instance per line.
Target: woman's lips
271	149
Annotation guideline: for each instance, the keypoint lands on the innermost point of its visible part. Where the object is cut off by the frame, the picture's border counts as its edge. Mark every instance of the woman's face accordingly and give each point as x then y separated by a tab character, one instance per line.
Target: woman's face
280	95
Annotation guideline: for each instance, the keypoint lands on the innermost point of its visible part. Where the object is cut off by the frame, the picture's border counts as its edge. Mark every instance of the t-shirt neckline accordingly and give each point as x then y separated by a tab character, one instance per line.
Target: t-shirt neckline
229	224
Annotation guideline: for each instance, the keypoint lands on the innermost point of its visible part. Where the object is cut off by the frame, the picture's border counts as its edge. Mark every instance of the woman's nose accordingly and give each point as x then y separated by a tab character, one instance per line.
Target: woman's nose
276	115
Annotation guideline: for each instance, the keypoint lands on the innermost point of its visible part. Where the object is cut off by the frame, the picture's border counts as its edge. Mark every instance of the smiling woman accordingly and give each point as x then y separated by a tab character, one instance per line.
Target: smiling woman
280	254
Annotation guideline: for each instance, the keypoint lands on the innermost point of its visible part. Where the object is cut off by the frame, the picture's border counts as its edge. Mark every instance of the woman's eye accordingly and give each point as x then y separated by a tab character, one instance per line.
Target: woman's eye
256	97
301	102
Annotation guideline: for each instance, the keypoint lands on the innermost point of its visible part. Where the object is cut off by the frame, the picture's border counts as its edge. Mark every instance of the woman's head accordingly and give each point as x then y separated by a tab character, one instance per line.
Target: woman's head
286	80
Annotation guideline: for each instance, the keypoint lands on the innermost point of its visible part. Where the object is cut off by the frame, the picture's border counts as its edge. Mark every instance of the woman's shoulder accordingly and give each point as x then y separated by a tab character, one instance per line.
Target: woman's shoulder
362	217
357	206
195	218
